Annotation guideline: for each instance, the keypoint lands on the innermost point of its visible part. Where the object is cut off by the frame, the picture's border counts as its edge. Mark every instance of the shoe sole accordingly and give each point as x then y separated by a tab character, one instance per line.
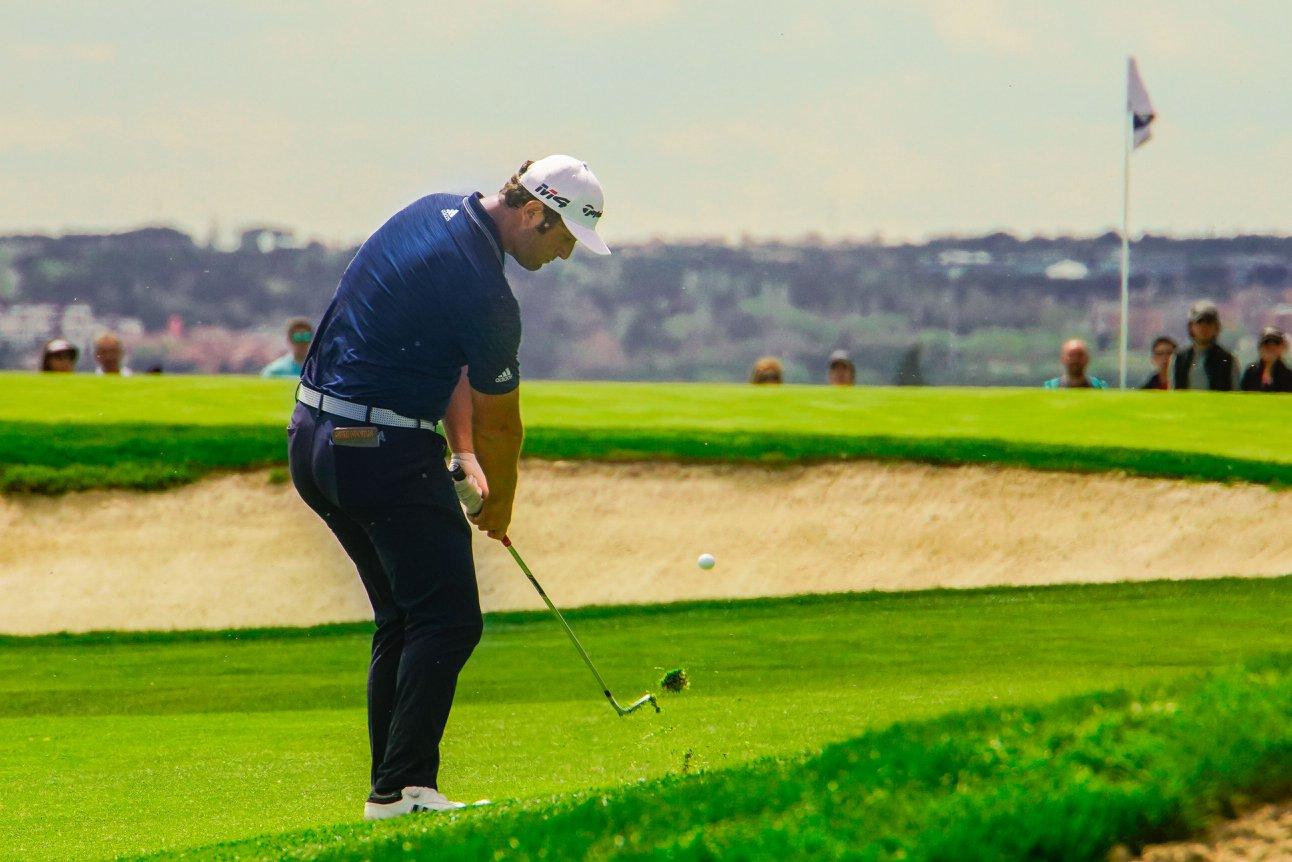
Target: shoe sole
375	812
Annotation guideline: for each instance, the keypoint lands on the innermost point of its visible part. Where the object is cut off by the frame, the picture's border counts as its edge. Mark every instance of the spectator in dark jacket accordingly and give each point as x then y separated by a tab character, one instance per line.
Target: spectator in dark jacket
1164	348
1204	364
1269	373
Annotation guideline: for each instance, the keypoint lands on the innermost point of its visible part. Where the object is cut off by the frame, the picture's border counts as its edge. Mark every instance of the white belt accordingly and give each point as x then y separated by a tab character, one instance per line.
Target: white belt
358	412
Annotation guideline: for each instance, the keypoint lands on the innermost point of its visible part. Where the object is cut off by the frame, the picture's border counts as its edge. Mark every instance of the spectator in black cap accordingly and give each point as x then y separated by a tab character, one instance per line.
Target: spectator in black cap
1269	373
841	371
1163	349
1204	364
59	355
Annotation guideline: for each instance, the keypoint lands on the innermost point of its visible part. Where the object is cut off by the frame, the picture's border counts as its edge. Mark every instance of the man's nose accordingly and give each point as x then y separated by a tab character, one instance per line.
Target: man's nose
566	252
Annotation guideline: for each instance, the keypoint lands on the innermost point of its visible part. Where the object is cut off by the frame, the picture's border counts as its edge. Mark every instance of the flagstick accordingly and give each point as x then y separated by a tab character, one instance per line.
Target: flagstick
1125	333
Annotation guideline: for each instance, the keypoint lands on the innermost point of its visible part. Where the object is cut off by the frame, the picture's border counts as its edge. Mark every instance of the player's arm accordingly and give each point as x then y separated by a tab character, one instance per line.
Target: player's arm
458	431
457	419
497	435
491	342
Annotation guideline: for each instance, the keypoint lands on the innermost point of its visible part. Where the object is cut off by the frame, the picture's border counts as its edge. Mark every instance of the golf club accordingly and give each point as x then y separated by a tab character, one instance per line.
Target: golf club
471	500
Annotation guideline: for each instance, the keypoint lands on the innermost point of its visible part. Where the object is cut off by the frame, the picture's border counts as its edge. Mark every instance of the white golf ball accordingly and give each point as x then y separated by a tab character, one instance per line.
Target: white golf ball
706	561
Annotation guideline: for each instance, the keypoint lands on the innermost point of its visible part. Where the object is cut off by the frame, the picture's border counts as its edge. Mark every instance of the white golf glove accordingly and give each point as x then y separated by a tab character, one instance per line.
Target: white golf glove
475	475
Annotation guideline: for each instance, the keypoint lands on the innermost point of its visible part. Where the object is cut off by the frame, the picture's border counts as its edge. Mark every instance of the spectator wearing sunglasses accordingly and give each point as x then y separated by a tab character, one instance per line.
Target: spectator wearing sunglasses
1163	349
300	332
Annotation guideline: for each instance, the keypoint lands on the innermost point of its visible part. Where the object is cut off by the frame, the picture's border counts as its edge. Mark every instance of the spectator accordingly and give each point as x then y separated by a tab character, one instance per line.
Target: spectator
767	370
300	332
1269	373
841	371
1164	348
59	355
108	353
1074	357
1204	364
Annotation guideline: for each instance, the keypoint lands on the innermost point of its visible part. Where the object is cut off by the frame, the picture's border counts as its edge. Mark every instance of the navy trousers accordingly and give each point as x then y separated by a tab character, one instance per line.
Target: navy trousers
393	509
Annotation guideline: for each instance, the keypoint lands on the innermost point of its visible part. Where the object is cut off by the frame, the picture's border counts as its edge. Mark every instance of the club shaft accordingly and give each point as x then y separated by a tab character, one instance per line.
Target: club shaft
569	631
471	500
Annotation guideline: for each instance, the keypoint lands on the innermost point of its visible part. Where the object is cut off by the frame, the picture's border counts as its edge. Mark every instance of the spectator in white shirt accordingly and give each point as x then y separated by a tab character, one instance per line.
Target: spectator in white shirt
108	355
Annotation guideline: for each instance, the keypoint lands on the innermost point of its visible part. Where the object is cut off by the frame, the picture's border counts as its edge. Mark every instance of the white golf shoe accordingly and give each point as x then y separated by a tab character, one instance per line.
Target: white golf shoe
410	800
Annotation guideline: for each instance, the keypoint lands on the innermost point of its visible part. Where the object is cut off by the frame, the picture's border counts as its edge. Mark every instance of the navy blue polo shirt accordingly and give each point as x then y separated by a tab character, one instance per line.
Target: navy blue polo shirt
424	296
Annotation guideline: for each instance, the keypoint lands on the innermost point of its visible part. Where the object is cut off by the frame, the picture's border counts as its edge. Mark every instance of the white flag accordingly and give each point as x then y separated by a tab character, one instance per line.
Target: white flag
1138	105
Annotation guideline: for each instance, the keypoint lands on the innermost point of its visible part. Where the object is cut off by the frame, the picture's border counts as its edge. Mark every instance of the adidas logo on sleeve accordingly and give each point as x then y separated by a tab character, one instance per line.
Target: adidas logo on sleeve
504	377
448	214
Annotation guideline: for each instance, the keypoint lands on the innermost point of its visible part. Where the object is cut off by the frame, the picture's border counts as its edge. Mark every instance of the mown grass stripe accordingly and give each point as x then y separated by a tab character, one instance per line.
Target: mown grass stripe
52	459
952	597
1066	781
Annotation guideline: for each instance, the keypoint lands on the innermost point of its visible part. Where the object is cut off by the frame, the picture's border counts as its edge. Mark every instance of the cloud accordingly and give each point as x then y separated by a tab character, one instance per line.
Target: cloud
615	14
989	26
66	52
24	132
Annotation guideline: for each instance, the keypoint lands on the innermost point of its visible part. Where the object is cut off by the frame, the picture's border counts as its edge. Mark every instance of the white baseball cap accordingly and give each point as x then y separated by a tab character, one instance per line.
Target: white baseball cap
566	186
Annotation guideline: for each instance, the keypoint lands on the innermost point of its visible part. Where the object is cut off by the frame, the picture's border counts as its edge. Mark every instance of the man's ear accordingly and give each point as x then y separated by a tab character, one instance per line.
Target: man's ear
531	214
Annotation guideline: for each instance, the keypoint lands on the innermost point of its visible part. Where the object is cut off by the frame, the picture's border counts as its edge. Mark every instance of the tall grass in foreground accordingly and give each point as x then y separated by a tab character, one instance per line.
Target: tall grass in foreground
1066	781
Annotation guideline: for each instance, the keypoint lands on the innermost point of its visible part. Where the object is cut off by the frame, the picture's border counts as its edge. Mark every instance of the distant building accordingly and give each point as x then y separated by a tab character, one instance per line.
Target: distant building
266	239
1067	270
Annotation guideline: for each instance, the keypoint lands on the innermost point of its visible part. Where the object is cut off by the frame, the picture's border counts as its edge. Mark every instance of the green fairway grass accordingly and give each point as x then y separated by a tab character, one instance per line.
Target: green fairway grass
68	433
119	744
1069	780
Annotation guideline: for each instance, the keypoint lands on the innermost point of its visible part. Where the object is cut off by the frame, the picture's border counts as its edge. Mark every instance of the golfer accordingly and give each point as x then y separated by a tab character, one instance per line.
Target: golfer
424	327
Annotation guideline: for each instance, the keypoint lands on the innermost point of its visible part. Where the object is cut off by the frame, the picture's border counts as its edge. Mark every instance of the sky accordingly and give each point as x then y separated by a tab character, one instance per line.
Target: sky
703	120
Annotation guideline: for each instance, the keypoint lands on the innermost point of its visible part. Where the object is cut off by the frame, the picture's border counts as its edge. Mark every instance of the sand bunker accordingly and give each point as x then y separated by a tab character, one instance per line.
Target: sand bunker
1264	834
239	551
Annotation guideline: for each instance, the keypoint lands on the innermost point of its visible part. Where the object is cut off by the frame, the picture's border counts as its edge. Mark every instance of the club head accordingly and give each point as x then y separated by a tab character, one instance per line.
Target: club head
637	704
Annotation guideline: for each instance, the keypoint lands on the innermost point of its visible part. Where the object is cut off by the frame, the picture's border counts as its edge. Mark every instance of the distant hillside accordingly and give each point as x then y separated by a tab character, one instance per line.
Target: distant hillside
985	310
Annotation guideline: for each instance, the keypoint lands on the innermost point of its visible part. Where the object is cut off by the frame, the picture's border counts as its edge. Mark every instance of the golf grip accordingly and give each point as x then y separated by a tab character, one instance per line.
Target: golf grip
468	493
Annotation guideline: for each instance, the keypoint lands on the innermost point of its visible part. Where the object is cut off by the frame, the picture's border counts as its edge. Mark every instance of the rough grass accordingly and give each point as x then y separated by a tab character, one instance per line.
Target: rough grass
1066	781
75	433
262	731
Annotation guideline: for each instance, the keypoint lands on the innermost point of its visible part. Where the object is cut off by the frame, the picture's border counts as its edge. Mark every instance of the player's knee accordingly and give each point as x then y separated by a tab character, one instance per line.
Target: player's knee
473	632
390	629
450	635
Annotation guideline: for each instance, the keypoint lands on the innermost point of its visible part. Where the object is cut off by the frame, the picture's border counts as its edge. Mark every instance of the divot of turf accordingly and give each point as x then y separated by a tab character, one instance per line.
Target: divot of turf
675	681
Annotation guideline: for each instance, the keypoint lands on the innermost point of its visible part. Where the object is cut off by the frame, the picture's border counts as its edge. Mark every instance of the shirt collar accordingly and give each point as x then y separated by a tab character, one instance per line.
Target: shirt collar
483	221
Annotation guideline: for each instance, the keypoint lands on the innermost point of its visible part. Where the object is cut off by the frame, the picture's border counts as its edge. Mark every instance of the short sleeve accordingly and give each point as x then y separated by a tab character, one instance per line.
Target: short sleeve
491	342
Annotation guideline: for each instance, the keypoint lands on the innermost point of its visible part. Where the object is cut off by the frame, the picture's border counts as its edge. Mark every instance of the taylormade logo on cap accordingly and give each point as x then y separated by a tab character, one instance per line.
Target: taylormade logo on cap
567	186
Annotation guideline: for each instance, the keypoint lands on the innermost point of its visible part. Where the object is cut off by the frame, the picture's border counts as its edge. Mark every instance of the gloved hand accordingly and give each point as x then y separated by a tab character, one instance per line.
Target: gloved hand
468	462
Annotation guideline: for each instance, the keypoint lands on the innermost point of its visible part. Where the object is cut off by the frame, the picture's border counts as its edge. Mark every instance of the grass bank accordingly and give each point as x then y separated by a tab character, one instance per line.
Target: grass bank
75	433
1065	781
263	732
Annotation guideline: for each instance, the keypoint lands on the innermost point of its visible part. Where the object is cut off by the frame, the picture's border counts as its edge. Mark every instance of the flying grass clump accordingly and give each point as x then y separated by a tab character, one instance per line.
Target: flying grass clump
675	680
